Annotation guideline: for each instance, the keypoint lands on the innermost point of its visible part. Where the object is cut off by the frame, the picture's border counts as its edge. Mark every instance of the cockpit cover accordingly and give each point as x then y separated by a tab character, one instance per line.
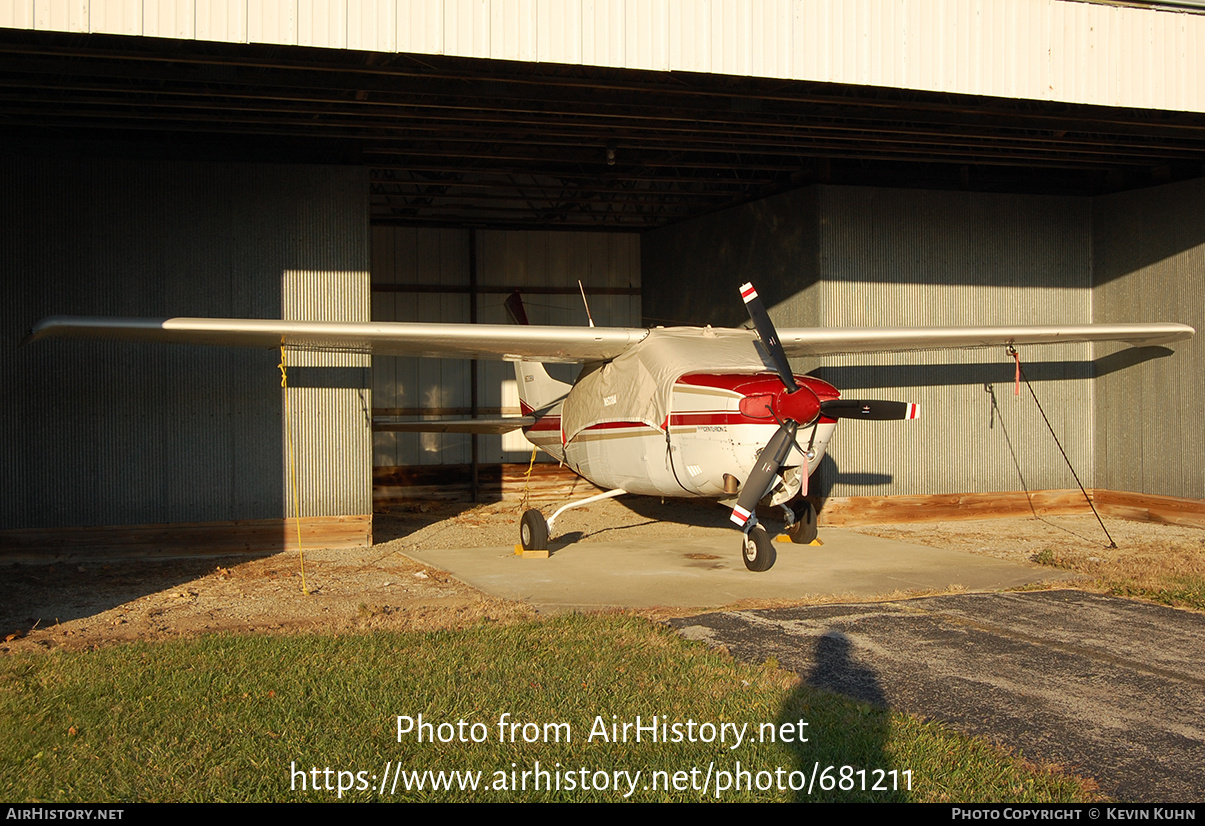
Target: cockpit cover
636	386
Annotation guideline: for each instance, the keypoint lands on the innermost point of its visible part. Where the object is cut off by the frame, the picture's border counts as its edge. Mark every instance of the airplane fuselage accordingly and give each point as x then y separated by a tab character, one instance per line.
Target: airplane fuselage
717	427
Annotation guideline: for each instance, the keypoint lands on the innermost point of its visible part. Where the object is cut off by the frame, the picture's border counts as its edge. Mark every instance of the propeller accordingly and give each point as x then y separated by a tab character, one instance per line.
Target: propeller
765	473
797	409
768	335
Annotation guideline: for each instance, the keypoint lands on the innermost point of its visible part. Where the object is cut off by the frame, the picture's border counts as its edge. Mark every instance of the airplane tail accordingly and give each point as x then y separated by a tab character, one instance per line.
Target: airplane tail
537	389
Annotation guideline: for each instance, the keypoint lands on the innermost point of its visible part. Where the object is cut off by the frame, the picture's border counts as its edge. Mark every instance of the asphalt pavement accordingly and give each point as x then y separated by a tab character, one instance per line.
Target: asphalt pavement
1109	688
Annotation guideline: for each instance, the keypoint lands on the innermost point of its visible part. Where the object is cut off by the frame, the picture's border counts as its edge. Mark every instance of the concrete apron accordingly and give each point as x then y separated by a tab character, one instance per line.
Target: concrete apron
708	572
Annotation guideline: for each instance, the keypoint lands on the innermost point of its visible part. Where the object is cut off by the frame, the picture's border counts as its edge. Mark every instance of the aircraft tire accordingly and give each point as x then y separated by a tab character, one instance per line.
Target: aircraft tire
803	532
758	552
533	531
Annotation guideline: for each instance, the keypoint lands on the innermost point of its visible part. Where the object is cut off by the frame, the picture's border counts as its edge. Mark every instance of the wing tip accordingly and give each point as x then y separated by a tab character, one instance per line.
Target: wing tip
47	327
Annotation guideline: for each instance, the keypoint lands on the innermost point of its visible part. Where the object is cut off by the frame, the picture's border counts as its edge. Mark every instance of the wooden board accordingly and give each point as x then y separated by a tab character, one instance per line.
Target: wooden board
1147	508
250	536
869	510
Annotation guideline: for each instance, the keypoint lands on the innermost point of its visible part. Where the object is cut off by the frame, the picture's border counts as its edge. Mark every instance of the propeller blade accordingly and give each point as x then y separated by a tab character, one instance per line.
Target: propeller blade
871	409
768	335
764	472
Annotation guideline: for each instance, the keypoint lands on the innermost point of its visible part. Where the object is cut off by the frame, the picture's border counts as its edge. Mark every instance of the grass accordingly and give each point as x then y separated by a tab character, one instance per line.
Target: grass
1168	575
228	718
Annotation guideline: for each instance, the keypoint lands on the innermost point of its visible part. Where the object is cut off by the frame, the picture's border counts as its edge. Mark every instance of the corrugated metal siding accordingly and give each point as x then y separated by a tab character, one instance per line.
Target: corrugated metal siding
505	259
1148	258
908	258
330	400
120	433
1078	52
844	256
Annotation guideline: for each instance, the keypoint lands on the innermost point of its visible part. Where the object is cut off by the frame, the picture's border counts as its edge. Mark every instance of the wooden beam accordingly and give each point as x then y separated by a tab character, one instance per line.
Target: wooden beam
242	537
1143	507
952	507
948	507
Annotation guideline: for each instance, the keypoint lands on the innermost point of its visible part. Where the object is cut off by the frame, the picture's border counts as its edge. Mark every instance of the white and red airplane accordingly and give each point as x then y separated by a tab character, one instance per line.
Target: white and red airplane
676	412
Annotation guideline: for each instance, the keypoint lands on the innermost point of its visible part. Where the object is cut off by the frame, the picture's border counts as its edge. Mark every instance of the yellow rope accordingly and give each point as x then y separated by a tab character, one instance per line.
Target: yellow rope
284	383
527	483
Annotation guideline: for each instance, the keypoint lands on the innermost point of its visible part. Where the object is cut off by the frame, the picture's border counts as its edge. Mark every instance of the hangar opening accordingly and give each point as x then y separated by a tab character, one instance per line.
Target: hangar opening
167	176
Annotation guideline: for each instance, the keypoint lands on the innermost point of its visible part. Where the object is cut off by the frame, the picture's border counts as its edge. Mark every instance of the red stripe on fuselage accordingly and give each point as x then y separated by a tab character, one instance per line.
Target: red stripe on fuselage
744	384
716	417
693	419
754	384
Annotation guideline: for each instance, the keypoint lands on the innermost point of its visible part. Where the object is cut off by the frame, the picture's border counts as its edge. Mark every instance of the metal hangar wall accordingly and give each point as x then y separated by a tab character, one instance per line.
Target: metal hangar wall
1148	254
108	433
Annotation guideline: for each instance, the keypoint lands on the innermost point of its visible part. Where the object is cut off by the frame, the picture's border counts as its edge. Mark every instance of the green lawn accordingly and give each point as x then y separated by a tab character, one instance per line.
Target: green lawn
248	718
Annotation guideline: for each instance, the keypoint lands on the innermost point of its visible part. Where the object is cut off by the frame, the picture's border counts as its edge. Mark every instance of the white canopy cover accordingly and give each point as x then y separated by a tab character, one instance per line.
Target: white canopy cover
636	386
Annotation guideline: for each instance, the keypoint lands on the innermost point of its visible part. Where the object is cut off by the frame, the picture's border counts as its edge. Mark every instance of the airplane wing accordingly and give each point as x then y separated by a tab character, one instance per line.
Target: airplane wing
820	341
505	342
567	344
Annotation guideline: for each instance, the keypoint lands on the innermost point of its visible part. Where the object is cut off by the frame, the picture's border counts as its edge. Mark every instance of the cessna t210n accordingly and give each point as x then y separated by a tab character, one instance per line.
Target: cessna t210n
675	412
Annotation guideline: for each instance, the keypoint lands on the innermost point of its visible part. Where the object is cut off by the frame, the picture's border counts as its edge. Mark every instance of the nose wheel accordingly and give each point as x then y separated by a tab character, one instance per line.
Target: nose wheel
759	553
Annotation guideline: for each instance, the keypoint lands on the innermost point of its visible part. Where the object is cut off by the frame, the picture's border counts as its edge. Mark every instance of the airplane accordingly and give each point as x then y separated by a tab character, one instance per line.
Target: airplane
665	411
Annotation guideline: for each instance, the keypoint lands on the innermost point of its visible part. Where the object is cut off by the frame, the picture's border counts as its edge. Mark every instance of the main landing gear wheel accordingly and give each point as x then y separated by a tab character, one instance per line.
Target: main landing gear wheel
533	531
803	530
759	553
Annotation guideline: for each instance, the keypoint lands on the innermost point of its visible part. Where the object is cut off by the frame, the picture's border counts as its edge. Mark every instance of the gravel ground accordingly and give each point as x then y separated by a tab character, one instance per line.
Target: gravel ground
1077	541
